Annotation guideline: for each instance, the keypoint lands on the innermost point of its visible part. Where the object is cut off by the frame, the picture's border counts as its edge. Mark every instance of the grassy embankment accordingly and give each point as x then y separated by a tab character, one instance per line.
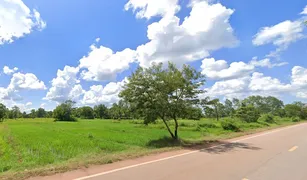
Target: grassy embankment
41	146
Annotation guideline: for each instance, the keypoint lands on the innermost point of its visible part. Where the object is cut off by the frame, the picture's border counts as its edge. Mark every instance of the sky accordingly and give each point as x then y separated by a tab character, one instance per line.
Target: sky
55	50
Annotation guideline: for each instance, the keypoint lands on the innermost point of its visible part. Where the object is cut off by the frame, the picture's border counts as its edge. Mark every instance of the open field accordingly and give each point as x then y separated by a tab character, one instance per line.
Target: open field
41	146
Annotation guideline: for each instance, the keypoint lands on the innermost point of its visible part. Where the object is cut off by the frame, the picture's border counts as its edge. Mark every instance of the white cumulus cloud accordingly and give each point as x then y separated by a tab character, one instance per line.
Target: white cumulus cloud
103	95
206	29
8	71
149	8
103	64
17	20
65	86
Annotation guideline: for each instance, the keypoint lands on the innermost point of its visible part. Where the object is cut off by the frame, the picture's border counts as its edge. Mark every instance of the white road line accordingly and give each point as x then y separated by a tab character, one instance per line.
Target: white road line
184	154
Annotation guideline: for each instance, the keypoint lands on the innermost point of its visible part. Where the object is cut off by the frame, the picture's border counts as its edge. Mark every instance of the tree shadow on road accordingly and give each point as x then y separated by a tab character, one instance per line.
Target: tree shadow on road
227	147
213	147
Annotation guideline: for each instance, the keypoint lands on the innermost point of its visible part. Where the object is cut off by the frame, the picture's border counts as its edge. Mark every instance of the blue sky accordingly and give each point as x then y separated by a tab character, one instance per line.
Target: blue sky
102	42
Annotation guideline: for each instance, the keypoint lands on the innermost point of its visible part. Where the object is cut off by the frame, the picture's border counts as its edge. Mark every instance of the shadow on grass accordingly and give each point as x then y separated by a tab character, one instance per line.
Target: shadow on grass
212	147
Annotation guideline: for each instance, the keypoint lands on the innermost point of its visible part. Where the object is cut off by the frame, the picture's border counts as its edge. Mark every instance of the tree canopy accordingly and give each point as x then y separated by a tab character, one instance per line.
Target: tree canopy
163	93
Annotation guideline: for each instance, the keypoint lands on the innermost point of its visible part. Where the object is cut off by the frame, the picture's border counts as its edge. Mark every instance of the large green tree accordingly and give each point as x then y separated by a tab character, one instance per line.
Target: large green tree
163	93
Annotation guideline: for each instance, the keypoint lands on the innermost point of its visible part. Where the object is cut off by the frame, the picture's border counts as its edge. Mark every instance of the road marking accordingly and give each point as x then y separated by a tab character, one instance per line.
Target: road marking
184	154
293	149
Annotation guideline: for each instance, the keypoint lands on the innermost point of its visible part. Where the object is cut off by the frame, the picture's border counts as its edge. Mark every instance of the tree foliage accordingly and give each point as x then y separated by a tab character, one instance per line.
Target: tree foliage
63	112
87	112
248	113
3	111
165	93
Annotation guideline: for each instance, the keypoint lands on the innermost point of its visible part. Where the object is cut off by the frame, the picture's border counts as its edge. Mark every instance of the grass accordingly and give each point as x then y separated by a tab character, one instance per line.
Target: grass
42	147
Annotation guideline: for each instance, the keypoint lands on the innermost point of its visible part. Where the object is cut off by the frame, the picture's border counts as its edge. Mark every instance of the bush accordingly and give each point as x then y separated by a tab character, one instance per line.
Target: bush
296	119
268	118
230	125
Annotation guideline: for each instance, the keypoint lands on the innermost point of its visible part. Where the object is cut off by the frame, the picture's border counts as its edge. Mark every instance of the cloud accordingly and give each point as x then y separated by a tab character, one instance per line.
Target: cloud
304	12
266	63
8	71
65	86
103	64
281	35
103	95
206	29
20	82
259	84
229	88
219	69
26	81
17	20
149	8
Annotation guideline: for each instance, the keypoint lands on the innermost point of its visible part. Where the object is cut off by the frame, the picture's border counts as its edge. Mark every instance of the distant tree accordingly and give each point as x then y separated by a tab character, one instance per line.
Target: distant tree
265	105
229	109
33	114
3	111
248	113
101	111
87	112
16	112
63	112
209	112
236	103
24	115
297	109
49	114
215	104
41	113
163	93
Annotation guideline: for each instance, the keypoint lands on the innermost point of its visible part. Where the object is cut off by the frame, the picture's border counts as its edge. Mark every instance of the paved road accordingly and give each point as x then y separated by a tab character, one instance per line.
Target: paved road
274	155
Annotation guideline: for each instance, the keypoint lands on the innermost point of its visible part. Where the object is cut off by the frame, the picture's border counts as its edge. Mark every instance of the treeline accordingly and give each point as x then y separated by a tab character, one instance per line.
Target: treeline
251	108
15	113
248	110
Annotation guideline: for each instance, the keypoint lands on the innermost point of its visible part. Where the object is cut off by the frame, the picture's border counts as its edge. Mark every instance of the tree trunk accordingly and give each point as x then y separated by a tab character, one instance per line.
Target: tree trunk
176	128
216	113
169	130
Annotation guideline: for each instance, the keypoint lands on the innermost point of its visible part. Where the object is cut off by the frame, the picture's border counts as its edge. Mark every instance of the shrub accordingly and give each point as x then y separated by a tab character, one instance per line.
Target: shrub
268	118
296	119
230	125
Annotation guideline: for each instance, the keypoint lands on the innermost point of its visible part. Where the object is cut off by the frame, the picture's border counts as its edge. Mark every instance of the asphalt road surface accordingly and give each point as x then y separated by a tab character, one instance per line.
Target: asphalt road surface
275	155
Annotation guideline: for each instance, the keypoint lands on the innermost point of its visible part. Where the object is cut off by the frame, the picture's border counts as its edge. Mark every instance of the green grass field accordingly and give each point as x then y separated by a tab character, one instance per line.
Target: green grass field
41	146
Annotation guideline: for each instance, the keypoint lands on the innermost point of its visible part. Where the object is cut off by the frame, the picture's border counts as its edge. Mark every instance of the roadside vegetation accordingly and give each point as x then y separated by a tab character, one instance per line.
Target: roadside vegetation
161	108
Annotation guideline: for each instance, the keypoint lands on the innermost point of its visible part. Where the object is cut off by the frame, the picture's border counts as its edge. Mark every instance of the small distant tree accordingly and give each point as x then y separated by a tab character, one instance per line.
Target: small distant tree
16	112
63	112
3	111
33	114
229	109
164	93
87	112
